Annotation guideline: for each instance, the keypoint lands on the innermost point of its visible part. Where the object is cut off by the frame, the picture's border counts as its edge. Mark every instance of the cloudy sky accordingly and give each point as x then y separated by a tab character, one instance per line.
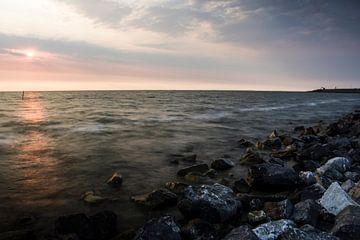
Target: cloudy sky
179	44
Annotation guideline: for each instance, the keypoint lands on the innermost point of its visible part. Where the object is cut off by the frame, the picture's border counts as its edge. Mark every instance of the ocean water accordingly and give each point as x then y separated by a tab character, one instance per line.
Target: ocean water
54	146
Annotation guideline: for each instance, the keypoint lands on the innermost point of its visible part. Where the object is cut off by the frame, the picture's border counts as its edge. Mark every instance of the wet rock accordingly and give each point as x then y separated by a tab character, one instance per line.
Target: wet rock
299	130
347	224
335	199
212	173
222	164
309	131
278	210
251	157
274	134
355	192
241	233
339	164
257	217
353	176
272	177
176	187
164	228
186	157
264	197
214	203
347	185
198	229
256	204
245	144
272	230
105	224
306	212
302	234
308	165
314	192
90	197
198	168
156	199
269	144
308	178
241	186
194	177
116	180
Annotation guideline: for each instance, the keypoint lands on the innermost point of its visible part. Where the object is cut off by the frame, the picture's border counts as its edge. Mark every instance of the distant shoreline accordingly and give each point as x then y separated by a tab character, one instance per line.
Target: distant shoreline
340	90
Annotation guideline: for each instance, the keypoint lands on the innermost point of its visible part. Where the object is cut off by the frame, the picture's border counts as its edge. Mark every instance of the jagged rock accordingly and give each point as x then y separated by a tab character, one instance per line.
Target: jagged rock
278	210
269	144
251	157
116	180
222	164
198	168
308	178
176	187
256	204
91	198
347	185
272	230
257	217
335	199
274	177
241	186
339	164
241	233
314	192
164	228
306	234
156	199
347	224
214	203
245	143
198	229
306	212
274	134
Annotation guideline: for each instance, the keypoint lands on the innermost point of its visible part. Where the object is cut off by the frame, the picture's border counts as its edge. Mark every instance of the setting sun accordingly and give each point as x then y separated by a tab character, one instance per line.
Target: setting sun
30	54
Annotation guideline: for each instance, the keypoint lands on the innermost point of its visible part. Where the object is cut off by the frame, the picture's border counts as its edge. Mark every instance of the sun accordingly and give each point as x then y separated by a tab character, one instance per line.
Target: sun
29	54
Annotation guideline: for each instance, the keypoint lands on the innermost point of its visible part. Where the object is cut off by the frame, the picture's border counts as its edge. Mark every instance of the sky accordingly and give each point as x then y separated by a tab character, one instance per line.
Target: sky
285	45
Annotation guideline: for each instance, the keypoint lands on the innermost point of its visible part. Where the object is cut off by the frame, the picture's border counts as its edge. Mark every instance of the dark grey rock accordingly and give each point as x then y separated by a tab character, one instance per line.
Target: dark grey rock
299	234
306	212
176	187
256	204
156	199
308	178
245	143
308	165
116	180
347	185
251	157
314	192
213	203
222	164
353	176
164	228
339	164
18	235
241	233
355	192
241	186
198	168
347	224
273	177
257	217
279	210
272	230
198	229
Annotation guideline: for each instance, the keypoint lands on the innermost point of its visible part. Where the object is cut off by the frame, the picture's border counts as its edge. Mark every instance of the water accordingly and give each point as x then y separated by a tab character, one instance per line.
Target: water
54	146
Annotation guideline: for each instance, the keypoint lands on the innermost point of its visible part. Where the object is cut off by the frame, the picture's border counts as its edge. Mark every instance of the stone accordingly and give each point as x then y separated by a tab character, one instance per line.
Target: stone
300	234
315	152
339	164
246	198
308	165
272	177
251	157
176	187
300	130
90	197
257	217
212	173
355	192
198	168
241	233
116	180
245	143
156	199
222	164
335	199
314	192
272	230
347	185
269	144
241	186
163	228
309	131
279	210
256	204
347	224
306	212
213	203
198	229
274	134
105	223
308	178
18	235
353	176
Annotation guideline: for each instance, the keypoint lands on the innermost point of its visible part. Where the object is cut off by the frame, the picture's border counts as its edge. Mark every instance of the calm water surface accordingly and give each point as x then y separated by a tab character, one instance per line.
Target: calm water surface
54	146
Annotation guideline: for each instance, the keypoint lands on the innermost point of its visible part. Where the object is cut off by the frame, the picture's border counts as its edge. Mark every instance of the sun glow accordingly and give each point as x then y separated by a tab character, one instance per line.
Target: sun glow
29	54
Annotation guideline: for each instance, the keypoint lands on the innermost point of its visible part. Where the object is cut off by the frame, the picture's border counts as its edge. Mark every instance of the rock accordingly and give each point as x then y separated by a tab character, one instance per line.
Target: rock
278	210
245	144
251	157
186	157
194	177
274	134
256	204
308	178
116	180
90	197
257	217
355	192
164	228
305	234
273	177
335	199
198	229
198	168
212	173
269	144
347	224
314	192
347	185
246	198
18	235
315	152
353	176
339	164
306	212
214	203
105	223
299	130
176	187
309	131
272	230
241	233
222	164
241	186
308	165
156	199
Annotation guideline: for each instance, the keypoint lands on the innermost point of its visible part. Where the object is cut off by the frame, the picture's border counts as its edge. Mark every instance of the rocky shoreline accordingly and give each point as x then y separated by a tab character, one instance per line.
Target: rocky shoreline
300	185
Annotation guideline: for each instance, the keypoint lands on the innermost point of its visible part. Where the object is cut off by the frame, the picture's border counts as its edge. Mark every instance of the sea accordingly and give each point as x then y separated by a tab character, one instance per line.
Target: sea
55	146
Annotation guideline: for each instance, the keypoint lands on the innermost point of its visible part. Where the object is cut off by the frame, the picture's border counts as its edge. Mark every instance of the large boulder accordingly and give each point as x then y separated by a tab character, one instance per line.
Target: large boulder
306	212
156	199
198	168
164	228
305	234
279	210
347	224
335	199
214	203
273	177
222	164
272	230
339	164
241	233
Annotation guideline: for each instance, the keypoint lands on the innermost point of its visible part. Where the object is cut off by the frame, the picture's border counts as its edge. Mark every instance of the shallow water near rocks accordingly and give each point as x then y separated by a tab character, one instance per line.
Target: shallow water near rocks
54	146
